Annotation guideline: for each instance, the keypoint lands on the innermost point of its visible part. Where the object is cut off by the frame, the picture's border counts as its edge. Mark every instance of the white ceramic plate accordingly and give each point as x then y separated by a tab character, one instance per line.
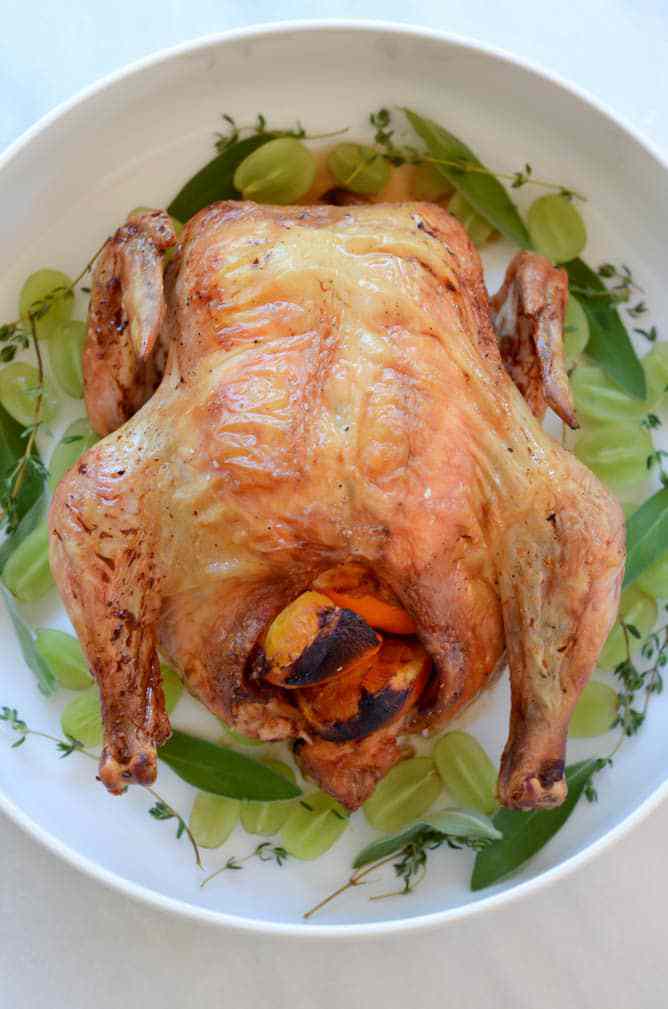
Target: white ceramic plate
134	139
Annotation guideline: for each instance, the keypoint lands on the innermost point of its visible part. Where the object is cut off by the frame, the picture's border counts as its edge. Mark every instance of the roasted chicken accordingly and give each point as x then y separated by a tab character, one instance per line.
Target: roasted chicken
321	400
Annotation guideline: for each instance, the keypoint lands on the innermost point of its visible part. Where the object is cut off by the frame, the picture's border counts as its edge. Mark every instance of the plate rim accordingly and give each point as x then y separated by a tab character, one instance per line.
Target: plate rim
365	930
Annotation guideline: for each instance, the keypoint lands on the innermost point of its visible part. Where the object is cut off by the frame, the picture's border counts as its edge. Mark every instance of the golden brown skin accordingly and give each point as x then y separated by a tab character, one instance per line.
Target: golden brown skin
528	318
334	392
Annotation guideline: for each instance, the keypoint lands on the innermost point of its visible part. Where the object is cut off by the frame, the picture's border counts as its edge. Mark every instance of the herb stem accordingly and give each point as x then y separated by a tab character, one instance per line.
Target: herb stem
355	880
69	746
467	166
20	472
183	826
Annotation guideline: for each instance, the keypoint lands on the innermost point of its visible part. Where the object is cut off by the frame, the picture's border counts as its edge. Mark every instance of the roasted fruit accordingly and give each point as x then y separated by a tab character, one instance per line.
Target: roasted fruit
312	640
357	588
359	703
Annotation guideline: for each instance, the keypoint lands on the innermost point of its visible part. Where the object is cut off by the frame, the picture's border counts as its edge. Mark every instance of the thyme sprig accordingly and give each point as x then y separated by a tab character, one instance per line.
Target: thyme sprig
402	154
266	852
234	133
20	334
638	686
409	864
656	460
161	810
620	292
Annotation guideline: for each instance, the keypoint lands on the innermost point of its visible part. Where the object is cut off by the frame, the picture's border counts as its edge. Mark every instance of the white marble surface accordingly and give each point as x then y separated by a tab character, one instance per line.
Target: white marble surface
598	939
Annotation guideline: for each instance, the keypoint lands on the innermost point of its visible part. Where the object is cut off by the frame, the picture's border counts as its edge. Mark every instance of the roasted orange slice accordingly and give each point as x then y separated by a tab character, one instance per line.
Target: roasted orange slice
358	589
312	640
376	694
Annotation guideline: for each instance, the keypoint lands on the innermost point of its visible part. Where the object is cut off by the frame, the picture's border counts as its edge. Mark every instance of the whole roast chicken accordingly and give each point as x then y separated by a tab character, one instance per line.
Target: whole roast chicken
307	398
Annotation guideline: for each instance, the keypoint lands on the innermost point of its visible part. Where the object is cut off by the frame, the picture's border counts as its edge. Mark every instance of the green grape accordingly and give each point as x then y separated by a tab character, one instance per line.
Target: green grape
617	454
39	286
556	228
595	712
629	507
656	375
404	794
479	230
280	171
27	574
213	818
467	772
359	169
82	717
267	818
240	740
62	653
429	184
67	452
639	610
576	331
600	400
65	350
172	686
654	579
309	832
19	382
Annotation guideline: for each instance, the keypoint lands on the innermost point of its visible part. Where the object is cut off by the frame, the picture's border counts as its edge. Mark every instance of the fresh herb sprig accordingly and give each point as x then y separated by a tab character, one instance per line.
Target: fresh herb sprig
409	864
265	852
20	334
161	810
639	685
401	154
235	133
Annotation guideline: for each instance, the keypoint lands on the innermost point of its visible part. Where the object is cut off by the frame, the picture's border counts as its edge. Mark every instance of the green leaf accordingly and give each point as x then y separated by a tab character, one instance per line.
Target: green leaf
447	822
646	535
30	520
46	681
525	833
12	447
482	190
463	823
609	342
385	846
215	180
222	771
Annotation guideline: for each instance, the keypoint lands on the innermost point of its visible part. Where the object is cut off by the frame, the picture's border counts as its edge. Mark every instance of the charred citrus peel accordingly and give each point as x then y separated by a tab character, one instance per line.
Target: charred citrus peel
312	641
377	694
355	587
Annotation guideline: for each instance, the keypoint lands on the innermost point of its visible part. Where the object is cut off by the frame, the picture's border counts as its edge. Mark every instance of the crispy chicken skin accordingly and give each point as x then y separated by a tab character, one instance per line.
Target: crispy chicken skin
333	391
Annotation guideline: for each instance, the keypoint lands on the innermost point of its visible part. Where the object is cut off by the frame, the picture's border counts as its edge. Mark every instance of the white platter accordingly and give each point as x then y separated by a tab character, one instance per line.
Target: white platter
133	140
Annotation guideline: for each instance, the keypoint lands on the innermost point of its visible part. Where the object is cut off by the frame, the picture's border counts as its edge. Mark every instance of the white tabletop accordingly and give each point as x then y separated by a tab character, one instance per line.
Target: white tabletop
598	938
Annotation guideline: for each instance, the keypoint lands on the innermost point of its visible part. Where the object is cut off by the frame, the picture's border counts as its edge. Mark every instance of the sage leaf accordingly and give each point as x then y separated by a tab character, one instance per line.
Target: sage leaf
216	180
12	447
609	342
481	188
646	535
30	520
388	845
463	823
46	681
221	771
525	833
447	822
